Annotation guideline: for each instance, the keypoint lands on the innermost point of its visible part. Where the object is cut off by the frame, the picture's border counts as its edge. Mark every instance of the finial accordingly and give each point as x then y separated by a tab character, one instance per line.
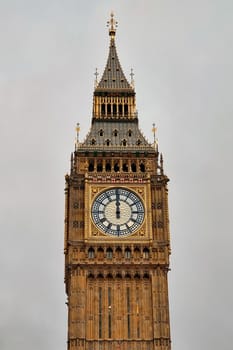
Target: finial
77	134
112	25
96	77
132	79
154	129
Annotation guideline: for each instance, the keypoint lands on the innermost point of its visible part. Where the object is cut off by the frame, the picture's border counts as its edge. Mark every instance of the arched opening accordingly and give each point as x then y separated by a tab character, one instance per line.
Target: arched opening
93	141
125	109
130	133
124	142
108	166
115	132
108	109
133	167
91	253
146	276
114	109
109	253
99	167
107	142
137	253
118	252
142	167
120	109
100	253
91	166
127	253
101	132
103	109
146	253
116	167
125	167
138	143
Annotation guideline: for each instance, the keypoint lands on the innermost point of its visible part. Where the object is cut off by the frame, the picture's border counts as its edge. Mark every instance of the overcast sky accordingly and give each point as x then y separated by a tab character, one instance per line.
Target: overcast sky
182	55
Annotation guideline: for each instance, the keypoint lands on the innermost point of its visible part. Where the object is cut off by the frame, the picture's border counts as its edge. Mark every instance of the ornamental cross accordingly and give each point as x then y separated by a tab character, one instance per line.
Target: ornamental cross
154	129
132	75
96	76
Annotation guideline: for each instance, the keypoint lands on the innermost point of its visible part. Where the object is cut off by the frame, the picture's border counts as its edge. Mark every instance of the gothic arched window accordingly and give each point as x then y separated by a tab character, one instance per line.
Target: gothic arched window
137	252
127	253
116	167
118	252
100	253
103	109
125	167
142	167
115	132
99	167
108	109
120	109
108	166
125	109
133	167
146	253
91	253
109	253
91	166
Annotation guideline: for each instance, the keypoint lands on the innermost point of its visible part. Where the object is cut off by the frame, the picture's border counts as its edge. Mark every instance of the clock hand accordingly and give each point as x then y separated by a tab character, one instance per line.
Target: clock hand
118	213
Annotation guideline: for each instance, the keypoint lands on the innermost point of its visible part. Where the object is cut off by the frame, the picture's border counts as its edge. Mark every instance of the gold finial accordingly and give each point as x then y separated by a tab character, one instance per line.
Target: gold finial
154	129
112	25
132	79
77	135
96	77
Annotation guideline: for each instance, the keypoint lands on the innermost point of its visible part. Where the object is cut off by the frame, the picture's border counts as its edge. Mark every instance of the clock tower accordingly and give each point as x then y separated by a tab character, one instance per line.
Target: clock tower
117	243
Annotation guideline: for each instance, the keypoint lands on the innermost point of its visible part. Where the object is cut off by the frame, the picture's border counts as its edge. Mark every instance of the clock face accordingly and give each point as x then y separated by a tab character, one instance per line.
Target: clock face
117	212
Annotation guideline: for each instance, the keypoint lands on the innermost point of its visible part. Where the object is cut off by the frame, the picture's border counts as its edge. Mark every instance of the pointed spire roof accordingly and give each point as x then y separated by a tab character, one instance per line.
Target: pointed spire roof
113	77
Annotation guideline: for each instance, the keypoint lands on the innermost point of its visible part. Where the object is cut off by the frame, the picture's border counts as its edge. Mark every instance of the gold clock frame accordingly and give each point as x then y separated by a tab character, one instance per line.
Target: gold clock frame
93	233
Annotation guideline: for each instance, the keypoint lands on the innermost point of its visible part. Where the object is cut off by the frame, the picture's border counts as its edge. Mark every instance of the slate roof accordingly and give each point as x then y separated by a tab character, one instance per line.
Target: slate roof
113	77
125	136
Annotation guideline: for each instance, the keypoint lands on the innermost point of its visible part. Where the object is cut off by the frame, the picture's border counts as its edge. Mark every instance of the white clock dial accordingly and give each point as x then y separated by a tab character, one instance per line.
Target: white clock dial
118	212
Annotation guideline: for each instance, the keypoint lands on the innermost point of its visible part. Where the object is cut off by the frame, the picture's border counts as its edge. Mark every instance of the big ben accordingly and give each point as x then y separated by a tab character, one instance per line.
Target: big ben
117	243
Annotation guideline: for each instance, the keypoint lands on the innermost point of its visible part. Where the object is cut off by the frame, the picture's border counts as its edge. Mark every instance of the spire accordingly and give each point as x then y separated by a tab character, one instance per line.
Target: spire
114	116
113	77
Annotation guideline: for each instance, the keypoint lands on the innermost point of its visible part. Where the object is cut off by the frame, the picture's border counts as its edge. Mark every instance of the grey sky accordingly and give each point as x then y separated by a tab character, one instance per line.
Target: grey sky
182	55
